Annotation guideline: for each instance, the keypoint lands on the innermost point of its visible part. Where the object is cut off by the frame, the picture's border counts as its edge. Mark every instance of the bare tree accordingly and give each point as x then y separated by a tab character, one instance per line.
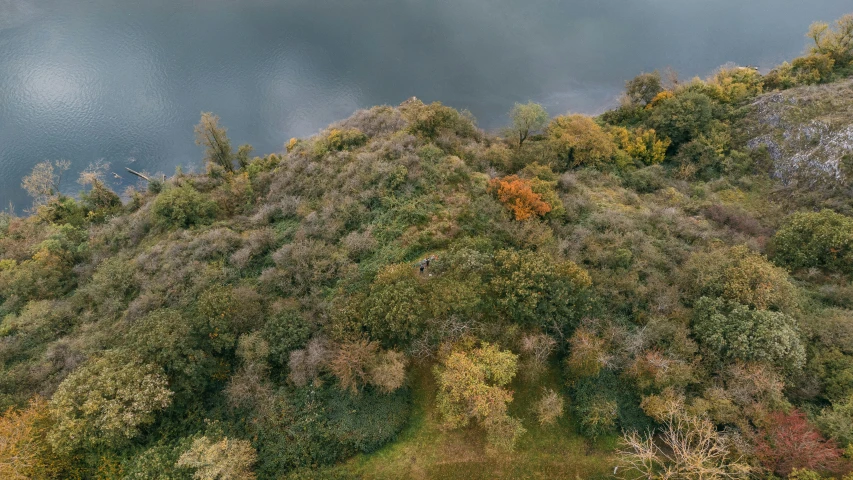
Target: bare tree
689	447
44	182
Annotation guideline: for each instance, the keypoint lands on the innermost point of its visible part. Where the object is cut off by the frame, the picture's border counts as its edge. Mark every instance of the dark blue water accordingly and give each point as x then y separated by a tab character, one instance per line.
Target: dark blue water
125	81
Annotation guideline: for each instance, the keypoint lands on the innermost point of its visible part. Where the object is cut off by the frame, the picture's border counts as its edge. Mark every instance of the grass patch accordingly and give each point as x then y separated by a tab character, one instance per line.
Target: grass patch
424	451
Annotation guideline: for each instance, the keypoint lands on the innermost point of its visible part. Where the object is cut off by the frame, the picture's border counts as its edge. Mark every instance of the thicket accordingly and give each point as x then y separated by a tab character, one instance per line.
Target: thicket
265	317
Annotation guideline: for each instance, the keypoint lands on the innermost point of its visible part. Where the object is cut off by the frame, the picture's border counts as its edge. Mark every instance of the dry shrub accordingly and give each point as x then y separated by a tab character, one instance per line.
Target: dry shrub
550	407
350	362
388	372
306	364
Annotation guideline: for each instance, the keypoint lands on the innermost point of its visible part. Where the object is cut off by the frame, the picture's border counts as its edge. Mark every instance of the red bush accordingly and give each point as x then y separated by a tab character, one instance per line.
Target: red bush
790	442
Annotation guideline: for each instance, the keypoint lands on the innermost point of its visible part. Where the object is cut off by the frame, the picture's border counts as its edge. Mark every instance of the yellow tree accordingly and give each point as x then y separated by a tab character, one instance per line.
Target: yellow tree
471	385
579	141
20	440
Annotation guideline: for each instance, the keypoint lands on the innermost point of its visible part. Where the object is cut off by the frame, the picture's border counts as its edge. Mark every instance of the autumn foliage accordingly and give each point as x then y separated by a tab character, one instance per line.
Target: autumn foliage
517	194
790	442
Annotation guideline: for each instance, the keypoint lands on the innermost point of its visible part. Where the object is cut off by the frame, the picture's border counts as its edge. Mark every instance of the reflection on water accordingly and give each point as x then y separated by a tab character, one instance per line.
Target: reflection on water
125	81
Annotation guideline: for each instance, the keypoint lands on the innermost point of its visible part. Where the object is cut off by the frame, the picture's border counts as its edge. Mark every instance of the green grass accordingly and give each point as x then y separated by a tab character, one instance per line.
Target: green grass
424	451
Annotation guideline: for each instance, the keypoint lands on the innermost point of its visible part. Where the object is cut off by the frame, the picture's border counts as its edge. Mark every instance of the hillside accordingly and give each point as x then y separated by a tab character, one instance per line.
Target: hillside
403	295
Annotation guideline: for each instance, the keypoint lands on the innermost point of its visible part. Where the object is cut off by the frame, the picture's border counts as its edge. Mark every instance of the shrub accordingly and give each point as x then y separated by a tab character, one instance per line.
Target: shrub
429	121
739	275
183	207
816	239
549	407
789	442
226	459
107	401
345	139
518	196
733	331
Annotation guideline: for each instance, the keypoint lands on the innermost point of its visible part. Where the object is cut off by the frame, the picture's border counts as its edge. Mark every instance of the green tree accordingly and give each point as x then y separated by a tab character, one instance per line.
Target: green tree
396	307
183	207
683	117
107	401
816	239
733	331
531	288
526	119
740	275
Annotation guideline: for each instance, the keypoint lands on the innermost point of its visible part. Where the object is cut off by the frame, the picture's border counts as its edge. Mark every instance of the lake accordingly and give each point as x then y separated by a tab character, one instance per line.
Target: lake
125	81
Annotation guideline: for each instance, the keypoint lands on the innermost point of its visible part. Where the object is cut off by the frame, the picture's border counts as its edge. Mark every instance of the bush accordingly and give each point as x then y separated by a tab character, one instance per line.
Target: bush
518	196
645	180
183	207
106	402
816	239
733	331
683	117
739	275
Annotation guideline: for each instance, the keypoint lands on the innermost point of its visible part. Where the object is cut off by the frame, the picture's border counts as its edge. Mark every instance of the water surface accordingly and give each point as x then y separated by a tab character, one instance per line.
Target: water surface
125	81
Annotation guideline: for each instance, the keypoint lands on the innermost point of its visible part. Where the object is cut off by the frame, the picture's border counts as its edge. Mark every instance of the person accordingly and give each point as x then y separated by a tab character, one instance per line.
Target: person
423	262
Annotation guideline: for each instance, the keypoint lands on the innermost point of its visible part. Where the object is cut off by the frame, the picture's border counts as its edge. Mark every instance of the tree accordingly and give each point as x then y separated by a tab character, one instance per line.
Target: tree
471	387
395	309
388	371
641	144
733	331
217	145
643	88
816	239
683	117
530	288
837	42
689	447
351	362
44	182
107	401
789	442
578	141
227	459
837	422
20	440
526	119
518	196
741	275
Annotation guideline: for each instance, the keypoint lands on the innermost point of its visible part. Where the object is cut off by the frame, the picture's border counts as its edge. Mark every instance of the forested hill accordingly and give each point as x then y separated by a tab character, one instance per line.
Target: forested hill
663	291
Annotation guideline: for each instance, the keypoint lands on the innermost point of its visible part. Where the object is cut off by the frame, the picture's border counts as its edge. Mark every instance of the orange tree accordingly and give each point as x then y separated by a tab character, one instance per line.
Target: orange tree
517	194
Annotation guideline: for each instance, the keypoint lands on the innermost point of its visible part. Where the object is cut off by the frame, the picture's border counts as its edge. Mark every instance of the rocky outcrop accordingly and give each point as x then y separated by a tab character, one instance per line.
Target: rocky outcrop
808	132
